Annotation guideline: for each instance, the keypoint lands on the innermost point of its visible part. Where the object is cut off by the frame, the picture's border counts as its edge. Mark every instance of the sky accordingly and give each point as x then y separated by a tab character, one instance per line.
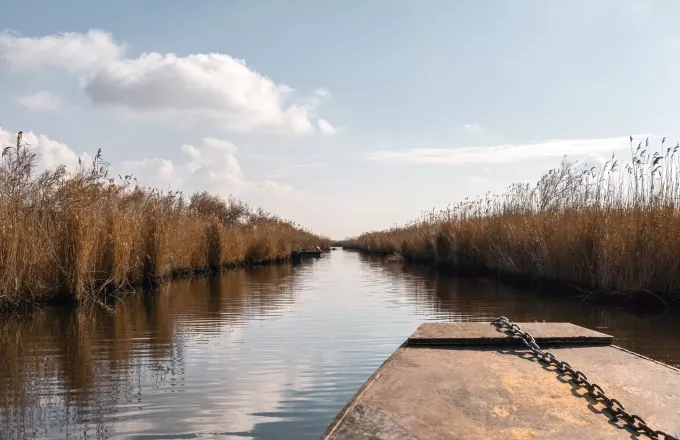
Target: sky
341	116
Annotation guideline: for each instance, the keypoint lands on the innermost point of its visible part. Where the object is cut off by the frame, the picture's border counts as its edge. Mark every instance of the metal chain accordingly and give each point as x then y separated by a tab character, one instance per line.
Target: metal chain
633	422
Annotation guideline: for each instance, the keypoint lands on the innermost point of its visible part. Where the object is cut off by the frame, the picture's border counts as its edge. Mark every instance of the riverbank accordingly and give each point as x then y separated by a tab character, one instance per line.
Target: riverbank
613	231
73	236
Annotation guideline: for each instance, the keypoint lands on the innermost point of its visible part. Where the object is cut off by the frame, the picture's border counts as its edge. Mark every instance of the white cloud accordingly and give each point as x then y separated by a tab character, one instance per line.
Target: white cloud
326	127
70	51
41	101
472	127
212	88
211	166
322	92
504	153
51	153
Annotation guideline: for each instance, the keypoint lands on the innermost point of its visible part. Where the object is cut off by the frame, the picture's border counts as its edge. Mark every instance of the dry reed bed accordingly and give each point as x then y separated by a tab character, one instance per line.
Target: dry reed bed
81	234
611	229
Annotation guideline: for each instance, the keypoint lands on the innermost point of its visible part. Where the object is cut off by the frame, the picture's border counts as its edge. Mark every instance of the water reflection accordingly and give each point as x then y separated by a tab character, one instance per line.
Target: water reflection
452	298
269	352
67	372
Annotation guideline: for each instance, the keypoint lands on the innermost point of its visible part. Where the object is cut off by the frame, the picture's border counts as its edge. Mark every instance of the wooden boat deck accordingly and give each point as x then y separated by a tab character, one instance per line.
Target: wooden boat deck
471	381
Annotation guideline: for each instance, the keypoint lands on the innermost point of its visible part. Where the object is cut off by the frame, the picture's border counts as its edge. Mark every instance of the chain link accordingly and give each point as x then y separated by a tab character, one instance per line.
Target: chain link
615	408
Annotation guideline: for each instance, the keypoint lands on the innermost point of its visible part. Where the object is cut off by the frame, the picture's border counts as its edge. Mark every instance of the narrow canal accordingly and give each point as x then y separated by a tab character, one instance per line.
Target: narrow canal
265	353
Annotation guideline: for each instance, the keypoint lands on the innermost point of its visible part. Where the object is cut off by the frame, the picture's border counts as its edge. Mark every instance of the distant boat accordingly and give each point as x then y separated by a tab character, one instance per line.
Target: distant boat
298	255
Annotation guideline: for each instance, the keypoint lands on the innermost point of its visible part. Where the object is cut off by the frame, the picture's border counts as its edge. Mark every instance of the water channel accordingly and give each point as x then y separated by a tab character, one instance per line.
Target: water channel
264	353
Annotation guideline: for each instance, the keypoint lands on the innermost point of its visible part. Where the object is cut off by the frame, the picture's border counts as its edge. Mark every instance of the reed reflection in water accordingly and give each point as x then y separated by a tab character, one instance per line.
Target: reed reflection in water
268	352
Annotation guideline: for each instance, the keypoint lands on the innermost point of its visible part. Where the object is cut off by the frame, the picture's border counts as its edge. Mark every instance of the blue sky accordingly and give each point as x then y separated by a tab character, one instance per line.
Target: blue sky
346	116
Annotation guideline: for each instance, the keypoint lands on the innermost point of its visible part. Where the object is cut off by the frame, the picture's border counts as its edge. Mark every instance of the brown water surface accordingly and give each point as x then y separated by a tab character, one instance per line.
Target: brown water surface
266	353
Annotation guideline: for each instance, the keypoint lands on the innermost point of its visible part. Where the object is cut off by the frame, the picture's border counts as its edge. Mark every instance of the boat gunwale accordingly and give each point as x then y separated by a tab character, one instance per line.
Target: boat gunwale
645	358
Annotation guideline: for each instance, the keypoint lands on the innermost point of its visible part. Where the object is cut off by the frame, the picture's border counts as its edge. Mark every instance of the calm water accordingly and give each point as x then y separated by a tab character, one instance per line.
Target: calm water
265	353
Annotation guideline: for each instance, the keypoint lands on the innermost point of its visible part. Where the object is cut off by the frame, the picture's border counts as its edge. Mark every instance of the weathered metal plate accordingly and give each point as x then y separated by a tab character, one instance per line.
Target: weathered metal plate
474	392
480	333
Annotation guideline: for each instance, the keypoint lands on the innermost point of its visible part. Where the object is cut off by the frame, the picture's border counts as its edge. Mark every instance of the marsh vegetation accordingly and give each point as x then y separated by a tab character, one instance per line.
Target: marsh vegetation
81	234
614	228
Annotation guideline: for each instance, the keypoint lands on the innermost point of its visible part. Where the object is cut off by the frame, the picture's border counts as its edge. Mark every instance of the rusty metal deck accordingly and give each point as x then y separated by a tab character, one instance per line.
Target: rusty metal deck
471	381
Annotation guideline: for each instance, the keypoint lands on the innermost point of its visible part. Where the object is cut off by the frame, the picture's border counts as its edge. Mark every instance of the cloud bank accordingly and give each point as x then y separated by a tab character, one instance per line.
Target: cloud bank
504	153
198	88
211	165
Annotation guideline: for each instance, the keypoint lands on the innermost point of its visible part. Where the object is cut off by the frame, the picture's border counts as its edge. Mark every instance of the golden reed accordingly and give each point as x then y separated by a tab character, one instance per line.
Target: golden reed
82	234
612	229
